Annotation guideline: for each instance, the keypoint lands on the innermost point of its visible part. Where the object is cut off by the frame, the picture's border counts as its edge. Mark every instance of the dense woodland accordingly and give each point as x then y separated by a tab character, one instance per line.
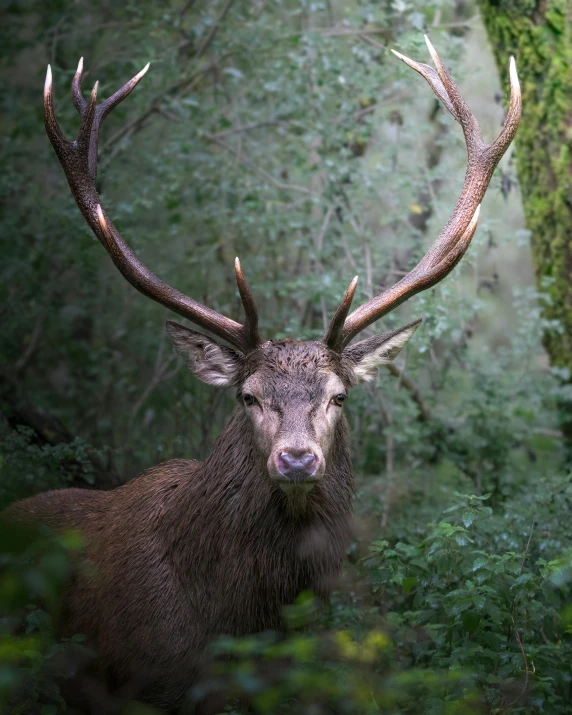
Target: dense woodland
285	132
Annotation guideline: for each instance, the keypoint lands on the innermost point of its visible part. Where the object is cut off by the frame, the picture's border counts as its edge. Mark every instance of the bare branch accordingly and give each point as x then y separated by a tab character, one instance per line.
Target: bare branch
257	169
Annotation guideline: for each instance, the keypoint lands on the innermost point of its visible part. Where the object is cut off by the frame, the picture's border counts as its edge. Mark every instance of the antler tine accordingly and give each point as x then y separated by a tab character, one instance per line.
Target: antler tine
78	99
88	117
455	238
250	310
101	111
52	127
332	337
502	142
79	160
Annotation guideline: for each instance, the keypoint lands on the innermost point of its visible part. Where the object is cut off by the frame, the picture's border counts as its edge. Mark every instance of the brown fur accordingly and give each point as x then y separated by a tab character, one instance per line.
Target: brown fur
189	550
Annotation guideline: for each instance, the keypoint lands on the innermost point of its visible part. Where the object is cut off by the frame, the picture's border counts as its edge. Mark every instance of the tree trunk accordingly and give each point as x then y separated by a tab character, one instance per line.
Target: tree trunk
539	34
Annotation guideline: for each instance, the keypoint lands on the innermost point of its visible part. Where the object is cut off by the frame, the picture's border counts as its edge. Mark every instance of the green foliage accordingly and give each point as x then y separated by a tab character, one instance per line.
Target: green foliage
475	614
28	467
484	609
286	133
540	37
35	565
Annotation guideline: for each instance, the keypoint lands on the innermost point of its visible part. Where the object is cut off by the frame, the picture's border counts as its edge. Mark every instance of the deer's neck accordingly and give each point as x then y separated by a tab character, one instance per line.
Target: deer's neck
232	500
235	536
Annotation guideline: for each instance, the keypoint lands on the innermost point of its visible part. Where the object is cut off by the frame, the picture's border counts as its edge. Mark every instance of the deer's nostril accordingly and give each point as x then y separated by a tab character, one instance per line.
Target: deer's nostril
297	465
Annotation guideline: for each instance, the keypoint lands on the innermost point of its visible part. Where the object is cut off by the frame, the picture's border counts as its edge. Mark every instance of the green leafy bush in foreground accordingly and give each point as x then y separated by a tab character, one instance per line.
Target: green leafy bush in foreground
35	565
465	619
459	622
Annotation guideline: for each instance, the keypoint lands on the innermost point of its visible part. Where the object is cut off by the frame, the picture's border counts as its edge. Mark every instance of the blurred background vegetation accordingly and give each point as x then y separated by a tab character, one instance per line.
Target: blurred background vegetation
285	132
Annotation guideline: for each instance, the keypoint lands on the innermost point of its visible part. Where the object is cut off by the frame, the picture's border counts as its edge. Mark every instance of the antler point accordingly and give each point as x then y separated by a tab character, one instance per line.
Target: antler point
79	69
514	83
48	82
142	73
432	50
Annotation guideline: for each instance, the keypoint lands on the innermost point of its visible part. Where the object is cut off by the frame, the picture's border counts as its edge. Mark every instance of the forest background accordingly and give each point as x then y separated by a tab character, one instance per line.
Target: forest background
286	133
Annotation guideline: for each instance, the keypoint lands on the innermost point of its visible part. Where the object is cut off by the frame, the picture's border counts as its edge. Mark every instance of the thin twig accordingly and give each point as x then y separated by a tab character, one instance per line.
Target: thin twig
527	671
320	237
214	29
254	125
96	28
257	169
413	390
364	37
32	345
527	544
558	434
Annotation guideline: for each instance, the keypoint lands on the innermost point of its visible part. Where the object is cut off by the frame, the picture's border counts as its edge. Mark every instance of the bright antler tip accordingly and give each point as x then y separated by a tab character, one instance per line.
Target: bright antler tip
513	75
79	69
143	72
432	50
48	82
349	295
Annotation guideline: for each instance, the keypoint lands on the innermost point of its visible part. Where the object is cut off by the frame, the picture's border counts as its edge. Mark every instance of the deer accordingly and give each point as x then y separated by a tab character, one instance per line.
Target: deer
188	551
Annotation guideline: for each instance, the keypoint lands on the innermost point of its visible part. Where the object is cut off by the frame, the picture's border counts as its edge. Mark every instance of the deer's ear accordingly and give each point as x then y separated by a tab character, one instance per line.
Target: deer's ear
212	363
364	358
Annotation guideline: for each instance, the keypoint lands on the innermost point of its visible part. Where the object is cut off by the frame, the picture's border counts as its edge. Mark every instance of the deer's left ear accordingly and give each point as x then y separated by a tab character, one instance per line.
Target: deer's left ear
363	359
212	363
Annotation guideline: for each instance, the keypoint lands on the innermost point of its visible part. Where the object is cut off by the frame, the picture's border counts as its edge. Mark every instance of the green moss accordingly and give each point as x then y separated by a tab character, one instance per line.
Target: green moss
539	35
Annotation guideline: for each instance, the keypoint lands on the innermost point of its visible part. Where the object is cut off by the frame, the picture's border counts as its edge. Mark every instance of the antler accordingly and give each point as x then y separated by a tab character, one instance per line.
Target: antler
79	161
456	236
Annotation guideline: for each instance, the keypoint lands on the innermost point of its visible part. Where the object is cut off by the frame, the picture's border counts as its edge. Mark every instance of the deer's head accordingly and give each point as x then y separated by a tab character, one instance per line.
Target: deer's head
292	392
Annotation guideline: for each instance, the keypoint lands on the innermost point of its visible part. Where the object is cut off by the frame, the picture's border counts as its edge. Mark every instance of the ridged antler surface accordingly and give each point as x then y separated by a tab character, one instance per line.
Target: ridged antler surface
457	233
79	161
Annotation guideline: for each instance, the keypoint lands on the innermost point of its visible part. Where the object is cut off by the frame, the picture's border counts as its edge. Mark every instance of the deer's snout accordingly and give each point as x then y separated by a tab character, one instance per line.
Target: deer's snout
297	465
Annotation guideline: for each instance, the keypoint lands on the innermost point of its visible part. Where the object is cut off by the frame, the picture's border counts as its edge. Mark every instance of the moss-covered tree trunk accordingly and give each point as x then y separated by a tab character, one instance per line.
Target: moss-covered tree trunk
539	34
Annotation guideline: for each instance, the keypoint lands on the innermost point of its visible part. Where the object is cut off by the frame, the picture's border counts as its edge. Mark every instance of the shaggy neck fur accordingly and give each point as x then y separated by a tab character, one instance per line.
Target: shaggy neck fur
248	538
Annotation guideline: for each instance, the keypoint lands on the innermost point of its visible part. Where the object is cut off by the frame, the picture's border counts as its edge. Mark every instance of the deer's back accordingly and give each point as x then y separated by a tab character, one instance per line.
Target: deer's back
124	597
91	510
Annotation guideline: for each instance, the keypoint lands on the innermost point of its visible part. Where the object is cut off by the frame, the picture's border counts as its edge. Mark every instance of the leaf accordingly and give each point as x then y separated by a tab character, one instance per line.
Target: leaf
522	580
480	563
233	72
470	621
408	583
469	515
463	539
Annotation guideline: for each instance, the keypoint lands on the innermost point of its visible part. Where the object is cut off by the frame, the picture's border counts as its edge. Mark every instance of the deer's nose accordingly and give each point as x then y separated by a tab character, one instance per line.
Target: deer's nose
297	465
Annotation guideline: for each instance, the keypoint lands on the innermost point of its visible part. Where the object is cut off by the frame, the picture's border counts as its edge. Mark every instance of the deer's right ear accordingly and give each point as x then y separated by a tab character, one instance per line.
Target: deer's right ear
364	358
212	363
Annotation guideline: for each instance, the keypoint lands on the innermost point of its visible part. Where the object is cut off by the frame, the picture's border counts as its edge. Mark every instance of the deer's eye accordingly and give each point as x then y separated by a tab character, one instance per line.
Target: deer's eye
249	399
338	400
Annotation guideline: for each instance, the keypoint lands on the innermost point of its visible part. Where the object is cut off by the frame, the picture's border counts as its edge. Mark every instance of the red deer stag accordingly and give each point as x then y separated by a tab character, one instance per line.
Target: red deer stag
189	550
